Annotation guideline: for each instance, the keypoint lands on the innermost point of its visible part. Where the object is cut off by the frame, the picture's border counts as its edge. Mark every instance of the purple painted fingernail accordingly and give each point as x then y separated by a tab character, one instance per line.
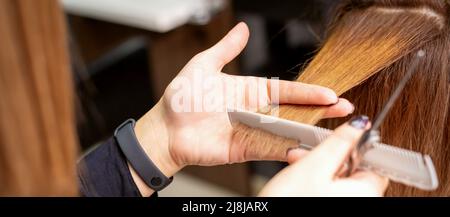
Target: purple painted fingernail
359	122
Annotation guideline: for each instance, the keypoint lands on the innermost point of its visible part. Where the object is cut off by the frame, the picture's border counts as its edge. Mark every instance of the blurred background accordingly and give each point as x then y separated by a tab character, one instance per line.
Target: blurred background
124	53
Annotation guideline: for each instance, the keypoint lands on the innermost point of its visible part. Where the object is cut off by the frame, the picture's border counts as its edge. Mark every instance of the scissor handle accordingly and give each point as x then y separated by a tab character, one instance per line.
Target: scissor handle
368	138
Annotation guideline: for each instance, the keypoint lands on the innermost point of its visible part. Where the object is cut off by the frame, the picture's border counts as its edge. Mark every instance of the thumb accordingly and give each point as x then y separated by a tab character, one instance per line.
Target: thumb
228	48
328	157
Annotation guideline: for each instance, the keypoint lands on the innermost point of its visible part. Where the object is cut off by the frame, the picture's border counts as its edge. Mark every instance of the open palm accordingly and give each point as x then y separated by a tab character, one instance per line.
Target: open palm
200	132
193	125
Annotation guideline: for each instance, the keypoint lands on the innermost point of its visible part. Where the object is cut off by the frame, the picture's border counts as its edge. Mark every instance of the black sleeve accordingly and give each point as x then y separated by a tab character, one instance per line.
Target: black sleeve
104	172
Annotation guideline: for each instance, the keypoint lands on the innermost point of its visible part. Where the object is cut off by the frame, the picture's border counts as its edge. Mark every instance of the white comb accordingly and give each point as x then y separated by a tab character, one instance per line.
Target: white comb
400	165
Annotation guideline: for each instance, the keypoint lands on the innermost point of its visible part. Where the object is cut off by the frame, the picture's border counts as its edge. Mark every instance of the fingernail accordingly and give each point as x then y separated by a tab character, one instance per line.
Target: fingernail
337	101
353	109
349	105
331	95
359	122
292	148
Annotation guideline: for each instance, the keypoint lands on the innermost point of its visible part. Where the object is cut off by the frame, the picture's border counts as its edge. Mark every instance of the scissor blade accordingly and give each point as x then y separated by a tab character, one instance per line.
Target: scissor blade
393	98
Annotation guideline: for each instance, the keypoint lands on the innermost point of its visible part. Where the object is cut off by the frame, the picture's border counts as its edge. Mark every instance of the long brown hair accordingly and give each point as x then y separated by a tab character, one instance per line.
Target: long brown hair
420	119
368	49
37	134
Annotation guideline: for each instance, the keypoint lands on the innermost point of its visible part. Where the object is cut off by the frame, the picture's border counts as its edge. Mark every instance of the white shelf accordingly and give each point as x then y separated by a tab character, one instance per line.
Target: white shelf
153	15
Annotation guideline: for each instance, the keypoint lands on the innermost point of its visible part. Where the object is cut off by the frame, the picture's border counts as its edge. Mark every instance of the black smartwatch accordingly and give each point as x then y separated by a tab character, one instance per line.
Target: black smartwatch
135	154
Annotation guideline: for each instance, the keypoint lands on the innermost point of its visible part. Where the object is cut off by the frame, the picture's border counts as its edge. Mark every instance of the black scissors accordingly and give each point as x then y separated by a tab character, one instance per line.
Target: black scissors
372	135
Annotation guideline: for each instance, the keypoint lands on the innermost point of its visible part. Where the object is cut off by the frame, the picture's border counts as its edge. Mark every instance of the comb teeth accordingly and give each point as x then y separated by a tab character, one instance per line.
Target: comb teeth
321	134
400	165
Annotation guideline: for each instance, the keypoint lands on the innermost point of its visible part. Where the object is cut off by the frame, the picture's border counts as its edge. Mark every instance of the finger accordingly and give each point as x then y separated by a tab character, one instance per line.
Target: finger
227	48
260	92
290	92
295	155
247	92
377	183
331	153
341	109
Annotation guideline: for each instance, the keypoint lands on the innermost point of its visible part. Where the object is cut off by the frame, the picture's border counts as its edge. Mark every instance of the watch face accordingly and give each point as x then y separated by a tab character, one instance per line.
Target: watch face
156	181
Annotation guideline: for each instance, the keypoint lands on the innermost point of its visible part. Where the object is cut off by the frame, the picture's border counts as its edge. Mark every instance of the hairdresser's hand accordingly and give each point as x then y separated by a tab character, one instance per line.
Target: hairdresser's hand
315	173
190	126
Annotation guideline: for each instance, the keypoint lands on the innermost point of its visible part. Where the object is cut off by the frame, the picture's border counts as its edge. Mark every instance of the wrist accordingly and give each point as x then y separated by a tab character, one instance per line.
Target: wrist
153	135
